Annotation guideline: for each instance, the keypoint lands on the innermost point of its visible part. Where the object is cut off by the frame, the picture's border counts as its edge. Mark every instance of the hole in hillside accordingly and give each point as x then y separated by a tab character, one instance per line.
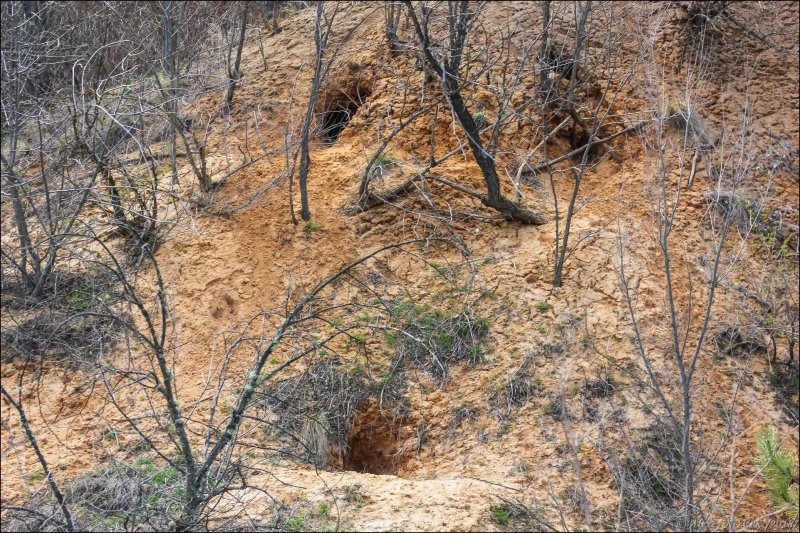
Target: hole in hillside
337	107
333	122
374	442
576	137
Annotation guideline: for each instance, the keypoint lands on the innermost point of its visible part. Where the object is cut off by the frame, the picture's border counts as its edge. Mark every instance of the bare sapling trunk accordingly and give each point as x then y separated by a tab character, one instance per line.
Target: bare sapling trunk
48	474
577	174
392	11
234	72
169	36
320	42
323	61
305	159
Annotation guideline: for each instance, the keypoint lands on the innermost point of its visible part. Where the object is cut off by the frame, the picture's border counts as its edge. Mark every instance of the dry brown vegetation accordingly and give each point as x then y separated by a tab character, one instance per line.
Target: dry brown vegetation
400	266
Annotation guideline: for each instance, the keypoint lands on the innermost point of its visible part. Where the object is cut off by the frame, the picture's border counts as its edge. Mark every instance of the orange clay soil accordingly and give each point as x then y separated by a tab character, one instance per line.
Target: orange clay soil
222	269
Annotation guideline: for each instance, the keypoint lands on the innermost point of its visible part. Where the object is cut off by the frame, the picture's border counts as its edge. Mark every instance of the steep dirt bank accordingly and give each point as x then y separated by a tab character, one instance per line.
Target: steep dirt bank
222	270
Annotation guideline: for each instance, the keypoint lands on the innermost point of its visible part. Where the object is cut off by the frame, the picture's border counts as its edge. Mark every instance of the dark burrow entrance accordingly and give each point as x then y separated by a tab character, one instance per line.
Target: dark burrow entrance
337	106
333	122
374	442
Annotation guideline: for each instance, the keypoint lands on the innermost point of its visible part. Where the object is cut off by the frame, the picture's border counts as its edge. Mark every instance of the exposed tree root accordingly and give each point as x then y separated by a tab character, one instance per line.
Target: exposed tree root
510	210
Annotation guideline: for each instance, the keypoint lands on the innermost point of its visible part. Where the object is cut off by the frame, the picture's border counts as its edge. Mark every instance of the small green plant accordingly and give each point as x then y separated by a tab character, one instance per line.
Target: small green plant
295	523
165	476
523	468
80	300
553	408
353	494
380	158
36	475
585	341
310	226
324	509
543	307
781	471
359	338
159	477
480	119
483	322
501	515
390	337
163	169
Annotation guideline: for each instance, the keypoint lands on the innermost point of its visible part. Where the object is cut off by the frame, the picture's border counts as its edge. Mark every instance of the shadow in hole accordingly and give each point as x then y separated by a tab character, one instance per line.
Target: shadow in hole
374	443
333	122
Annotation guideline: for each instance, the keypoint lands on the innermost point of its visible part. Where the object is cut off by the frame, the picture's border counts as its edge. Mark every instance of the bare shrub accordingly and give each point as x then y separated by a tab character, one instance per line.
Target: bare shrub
117	497
519	387
315	409
69	325
434	338
739	341
602	386
649	477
